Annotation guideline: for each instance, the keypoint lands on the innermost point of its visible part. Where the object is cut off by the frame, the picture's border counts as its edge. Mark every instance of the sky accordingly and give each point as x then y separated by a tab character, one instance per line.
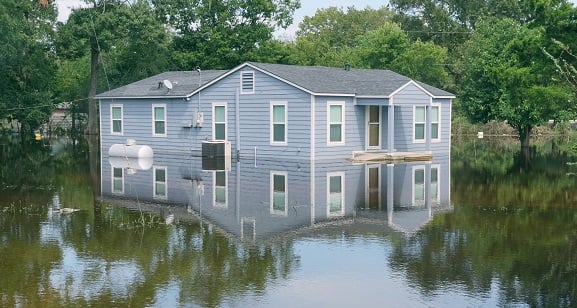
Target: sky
308	8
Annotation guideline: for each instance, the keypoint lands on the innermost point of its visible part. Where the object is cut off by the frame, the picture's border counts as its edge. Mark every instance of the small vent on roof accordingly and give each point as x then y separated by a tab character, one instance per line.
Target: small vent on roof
347	67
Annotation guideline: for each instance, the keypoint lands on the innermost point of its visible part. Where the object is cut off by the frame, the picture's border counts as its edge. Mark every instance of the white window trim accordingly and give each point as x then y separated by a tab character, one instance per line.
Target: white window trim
243	75
278	103
273	211
343	189
335	103
415	123
438	124
154	193
121	192
219	204
112	132
214	105
154	120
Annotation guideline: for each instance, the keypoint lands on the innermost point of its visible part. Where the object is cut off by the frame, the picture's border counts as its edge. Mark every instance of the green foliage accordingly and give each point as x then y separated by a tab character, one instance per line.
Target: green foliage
221	34
505	77
368	39
26	62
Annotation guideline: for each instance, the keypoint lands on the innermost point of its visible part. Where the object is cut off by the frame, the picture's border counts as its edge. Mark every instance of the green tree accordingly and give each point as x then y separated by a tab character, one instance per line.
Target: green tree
220	34
26	62
389	47
92	31
506	77
330	37
133	43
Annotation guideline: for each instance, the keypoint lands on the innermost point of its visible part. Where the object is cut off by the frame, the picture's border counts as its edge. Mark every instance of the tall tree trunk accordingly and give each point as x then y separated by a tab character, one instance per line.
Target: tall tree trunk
525	135
92	103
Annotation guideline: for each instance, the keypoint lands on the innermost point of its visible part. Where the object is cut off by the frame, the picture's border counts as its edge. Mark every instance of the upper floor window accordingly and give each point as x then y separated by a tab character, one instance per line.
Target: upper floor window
219	121
159	120
278	122
247	82
419	121
336	123
435	122
116	119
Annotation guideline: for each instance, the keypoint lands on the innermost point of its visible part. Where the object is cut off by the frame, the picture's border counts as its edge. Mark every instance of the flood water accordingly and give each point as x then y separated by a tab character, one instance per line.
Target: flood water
483	226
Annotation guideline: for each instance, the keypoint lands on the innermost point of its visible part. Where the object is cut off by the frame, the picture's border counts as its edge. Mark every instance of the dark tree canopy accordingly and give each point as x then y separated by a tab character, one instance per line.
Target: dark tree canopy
221	34
27	62
506	77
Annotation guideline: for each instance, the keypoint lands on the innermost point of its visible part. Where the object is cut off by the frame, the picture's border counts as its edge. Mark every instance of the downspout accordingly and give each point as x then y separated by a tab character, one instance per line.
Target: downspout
428	125
391	128
312	158
237	119
199	85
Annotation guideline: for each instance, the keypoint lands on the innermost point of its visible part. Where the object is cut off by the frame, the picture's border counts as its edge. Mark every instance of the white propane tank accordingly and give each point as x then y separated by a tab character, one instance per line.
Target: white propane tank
130	149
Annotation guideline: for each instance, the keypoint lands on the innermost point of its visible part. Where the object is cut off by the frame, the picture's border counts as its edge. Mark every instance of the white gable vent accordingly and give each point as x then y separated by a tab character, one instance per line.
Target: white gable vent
247	82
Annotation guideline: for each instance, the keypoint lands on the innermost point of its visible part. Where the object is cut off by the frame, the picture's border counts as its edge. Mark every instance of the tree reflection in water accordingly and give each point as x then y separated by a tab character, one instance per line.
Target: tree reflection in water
513	224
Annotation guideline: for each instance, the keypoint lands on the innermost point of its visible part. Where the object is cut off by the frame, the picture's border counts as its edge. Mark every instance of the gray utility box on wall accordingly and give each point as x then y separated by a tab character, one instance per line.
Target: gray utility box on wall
216	155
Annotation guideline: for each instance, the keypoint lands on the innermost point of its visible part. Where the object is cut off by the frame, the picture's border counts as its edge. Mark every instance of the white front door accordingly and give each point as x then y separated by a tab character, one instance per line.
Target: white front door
373	127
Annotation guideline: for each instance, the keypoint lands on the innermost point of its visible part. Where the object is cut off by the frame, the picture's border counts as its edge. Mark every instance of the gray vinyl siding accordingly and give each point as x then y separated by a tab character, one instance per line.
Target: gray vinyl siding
354	129
138	122
255	116
405	101
251	137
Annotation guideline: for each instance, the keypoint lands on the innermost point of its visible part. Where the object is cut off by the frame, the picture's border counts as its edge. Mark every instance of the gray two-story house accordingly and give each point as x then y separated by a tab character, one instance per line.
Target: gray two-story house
281	111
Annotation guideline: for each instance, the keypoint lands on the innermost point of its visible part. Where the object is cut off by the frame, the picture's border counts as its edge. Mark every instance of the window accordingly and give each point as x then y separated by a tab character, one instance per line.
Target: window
116	119
336	123
246	82
159	120
336	195
219	121
419	120
117	180
220	190
435	120
278	187
278	119
160	183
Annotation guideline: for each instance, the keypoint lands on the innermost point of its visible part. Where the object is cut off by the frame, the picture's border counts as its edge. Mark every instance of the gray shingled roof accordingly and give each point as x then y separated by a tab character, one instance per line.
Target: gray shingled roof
331	80
315	79
183	84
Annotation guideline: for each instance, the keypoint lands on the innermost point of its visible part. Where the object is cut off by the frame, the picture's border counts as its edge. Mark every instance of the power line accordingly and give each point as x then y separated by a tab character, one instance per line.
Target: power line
40	106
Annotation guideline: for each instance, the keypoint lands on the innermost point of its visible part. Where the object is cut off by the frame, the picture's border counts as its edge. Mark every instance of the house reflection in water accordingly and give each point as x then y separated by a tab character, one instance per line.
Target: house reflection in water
266	197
